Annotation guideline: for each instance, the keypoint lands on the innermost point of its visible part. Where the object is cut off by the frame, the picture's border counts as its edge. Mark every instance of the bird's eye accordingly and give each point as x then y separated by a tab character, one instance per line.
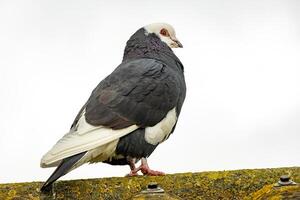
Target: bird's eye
164	32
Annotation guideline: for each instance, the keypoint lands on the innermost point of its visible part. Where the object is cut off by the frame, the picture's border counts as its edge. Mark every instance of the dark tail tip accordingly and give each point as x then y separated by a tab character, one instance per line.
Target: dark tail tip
63	168
46	188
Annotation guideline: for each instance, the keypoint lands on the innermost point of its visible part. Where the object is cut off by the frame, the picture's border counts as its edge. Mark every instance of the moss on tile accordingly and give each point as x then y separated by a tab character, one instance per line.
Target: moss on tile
237	184
269	192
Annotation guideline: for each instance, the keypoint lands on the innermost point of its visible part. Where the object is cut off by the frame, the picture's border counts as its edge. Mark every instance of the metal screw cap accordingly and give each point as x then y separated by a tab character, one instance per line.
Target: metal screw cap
153	188
285	180
152	185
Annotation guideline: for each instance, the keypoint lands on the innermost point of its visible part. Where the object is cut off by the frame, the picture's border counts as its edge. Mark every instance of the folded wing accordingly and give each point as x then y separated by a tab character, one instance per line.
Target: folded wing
137	94
86	137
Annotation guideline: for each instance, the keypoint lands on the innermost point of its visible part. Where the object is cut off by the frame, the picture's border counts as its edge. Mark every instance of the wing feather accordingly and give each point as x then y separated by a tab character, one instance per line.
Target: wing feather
137	94
84	138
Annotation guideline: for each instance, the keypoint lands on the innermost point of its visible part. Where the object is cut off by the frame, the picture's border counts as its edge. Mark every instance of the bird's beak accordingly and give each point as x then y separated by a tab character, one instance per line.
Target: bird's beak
177	43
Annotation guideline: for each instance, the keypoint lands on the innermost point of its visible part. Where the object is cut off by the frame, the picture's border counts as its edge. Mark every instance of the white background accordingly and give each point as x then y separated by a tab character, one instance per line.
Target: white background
242	68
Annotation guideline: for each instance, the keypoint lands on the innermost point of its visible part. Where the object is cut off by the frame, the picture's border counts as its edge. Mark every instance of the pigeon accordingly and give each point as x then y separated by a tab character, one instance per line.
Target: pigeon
130	112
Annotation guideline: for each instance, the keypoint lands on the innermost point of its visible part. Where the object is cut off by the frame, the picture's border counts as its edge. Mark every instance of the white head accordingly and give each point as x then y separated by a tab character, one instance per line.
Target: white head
165	32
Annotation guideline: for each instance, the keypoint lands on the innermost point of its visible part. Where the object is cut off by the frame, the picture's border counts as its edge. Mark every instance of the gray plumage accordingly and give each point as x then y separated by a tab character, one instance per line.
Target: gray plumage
140	91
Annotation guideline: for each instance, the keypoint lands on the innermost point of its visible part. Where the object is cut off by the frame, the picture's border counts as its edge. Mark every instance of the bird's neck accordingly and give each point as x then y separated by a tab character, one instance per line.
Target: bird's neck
142	45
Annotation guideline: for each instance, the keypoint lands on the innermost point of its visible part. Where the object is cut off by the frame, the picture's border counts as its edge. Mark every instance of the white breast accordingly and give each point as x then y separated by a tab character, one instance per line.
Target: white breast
158	133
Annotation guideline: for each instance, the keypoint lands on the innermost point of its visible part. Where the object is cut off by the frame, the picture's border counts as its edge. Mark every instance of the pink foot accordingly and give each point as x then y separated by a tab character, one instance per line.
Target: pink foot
144	168
147	171
133	169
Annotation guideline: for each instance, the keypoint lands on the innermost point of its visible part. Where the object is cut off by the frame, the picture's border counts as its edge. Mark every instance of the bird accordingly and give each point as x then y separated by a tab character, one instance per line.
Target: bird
130	112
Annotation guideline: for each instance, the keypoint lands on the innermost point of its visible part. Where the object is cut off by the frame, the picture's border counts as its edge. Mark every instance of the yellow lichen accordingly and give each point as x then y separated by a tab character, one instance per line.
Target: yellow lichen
276	193
237	184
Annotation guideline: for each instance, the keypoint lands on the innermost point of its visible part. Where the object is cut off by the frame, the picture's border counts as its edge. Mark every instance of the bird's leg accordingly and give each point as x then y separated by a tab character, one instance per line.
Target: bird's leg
133	169
147	171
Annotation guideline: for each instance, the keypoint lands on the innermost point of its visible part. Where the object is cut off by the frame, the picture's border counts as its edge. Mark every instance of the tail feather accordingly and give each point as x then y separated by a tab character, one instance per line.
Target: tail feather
63	168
